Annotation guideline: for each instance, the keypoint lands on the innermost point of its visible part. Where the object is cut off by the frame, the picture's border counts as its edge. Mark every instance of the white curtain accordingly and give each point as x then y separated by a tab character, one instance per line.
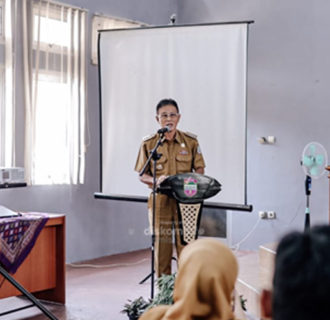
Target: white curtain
55	92
7	92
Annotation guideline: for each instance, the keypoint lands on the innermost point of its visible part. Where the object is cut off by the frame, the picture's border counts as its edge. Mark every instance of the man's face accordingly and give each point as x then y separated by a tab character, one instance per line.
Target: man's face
168	116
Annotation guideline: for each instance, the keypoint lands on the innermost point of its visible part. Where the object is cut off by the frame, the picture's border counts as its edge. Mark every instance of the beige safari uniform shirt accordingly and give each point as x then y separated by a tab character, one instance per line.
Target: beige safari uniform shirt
180	155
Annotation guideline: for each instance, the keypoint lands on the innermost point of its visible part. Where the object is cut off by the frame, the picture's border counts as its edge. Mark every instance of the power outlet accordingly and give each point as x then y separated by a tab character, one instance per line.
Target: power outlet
267	215
271	215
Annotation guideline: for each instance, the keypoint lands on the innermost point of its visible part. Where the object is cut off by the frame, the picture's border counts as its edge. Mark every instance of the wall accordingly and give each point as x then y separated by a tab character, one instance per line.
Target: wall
94	227
288	97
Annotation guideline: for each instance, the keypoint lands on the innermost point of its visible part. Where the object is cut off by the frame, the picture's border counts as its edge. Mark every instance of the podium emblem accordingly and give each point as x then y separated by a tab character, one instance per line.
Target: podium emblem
190	187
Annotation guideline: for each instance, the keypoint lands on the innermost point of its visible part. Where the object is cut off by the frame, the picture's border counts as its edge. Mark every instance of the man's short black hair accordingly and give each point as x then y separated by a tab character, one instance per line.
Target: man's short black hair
166	102
301	284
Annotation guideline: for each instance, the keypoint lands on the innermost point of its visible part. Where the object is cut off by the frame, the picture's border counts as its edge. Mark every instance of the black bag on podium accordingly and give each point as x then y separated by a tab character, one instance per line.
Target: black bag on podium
189	190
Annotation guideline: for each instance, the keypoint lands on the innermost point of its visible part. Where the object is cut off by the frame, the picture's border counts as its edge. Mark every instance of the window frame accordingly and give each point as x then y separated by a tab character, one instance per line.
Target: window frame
2	21
58	64
103	22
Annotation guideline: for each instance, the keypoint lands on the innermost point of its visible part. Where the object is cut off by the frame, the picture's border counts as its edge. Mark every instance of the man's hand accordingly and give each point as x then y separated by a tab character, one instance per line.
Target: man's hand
147	179
200	170
161	179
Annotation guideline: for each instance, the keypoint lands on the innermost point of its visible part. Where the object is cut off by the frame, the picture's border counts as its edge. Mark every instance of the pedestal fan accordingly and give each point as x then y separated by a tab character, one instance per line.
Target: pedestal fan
314	160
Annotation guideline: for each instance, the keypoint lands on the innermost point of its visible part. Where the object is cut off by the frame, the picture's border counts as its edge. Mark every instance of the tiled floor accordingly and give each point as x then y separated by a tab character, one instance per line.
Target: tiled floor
97	293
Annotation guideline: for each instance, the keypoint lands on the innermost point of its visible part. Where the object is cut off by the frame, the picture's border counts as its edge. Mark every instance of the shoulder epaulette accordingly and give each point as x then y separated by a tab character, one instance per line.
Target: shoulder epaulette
150	136
191	135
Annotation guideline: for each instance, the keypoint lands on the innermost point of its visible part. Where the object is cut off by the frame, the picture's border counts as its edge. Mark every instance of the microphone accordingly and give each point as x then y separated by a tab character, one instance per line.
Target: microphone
163	130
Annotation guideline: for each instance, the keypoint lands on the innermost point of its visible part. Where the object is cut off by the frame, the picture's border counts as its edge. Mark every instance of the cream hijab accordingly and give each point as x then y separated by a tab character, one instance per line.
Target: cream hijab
204	284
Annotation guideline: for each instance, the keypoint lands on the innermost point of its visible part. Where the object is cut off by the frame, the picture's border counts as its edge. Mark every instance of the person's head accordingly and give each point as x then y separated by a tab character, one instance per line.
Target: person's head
301	282
167	113
205	282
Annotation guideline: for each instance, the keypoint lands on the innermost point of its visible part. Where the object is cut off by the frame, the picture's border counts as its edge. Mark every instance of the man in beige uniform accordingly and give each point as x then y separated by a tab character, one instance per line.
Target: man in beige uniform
180	154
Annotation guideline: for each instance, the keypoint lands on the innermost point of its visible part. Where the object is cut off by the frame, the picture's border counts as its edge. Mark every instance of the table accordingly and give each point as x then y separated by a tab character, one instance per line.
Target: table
43	271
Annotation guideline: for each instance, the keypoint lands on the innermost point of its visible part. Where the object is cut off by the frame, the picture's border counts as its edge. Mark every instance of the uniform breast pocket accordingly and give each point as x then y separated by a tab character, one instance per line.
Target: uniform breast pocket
183	163
160	166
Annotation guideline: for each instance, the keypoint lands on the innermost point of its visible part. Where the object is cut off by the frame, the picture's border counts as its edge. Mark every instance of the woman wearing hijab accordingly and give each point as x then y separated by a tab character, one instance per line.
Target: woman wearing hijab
204	285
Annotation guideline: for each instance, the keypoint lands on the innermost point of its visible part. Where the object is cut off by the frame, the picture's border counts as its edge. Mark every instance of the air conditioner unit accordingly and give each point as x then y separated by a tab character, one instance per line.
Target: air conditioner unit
11	175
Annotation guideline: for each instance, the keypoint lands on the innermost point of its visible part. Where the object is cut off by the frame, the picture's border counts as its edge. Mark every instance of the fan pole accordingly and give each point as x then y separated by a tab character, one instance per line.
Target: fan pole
308	185
307	212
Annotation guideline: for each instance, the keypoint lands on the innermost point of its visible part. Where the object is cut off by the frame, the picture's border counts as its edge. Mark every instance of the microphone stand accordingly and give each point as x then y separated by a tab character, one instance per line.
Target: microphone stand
308	185
154	156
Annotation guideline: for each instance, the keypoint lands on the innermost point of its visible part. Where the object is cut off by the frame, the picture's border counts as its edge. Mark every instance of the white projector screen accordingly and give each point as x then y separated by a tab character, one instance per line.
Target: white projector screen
203	68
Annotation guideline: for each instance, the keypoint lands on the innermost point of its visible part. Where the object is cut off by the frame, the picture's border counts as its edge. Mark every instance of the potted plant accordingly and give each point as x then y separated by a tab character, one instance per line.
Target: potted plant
165	285
135	308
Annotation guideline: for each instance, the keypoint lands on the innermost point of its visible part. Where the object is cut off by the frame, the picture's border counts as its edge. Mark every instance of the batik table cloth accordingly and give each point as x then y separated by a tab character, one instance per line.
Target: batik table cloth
17	237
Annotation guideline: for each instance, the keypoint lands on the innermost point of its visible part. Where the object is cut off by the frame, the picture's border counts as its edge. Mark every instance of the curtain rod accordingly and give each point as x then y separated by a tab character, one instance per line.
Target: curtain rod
101	15
248	22
64	5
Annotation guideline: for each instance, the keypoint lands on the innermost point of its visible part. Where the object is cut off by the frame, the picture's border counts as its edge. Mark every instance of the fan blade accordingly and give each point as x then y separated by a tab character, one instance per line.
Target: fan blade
308	161
319	159
312	149
314	171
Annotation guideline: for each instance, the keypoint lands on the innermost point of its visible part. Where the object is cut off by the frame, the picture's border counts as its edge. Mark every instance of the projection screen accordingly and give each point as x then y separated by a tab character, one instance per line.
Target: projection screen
202	67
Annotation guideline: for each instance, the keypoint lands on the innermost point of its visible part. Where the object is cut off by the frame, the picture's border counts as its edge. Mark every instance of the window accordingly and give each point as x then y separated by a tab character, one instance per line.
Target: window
103	23
6	85
1	22
2	83
55	110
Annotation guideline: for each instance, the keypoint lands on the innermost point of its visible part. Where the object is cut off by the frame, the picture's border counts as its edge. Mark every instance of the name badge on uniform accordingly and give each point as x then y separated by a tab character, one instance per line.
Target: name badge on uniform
183	152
